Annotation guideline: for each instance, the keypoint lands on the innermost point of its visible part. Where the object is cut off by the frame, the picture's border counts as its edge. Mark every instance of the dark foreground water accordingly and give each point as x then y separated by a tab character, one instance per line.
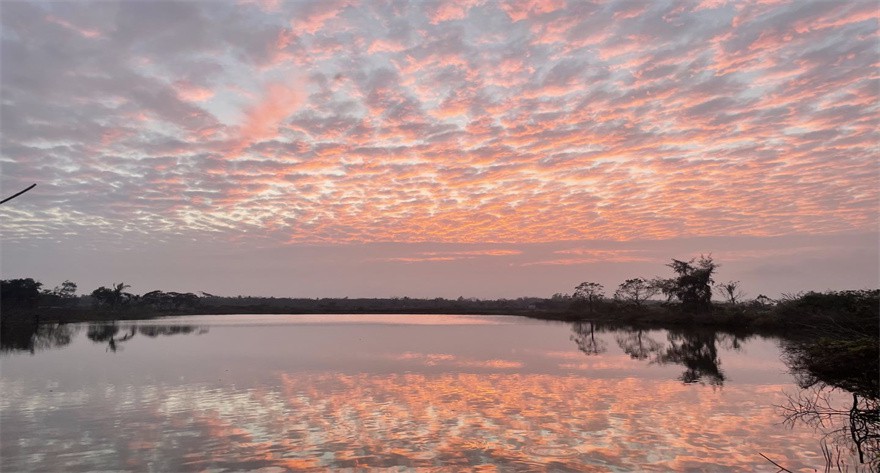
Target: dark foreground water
452	393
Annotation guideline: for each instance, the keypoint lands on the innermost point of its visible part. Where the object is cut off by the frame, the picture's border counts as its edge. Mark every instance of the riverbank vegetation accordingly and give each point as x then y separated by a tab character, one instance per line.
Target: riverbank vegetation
686	298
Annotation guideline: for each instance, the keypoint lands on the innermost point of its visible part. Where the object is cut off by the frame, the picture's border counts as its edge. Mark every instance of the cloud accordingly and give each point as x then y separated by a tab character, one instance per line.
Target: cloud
435	256
463	122
264	119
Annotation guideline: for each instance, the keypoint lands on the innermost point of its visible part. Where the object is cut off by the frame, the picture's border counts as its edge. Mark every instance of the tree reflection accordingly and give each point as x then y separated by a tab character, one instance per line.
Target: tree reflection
696	350
841	361
108	333
638	345
699	355
113	335
32	337
585	338
855	426
154	331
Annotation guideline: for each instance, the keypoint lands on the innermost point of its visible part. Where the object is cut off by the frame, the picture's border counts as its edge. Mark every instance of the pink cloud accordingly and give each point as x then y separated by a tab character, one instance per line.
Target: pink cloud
519	10
451	10
568	124
312	16
192	93
84	32
385	45
264	119
437	256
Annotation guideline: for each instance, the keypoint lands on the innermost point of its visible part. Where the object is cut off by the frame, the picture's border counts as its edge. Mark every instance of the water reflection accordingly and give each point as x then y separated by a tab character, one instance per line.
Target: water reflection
514	396
113	334
638	345
695	349
697	352
585	338
32	337
824	370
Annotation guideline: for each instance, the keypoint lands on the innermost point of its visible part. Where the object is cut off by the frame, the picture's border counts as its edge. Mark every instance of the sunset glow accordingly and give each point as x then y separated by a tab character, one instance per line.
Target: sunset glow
273	124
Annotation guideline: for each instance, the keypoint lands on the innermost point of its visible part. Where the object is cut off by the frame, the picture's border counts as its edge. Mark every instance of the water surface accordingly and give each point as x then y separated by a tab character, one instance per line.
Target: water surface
317	392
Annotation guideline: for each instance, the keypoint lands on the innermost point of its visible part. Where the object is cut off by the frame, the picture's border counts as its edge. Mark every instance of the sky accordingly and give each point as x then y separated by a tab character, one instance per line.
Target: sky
476	148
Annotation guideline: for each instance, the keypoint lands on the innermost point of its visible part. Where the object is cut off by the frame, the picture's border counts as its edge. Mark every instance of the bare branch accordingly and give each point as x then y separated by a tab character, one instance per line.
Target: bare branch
17	194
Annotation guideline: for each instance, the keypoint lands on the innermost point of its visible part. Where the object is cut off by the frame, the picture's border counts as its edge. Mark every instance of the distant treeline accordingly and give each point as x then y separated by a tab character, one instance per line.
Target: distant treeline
25	297
684	298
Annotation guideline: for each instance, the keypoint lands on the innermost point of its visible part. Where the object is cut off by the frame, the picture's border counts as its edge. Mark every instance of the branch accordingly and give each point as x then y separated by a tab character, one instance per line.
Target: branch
781	468
18	194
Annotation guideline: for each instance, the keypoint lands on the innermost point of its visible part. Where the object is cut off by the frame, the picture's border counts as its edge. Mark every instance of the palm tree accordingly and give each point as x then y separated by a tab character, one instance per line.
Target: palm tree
118	296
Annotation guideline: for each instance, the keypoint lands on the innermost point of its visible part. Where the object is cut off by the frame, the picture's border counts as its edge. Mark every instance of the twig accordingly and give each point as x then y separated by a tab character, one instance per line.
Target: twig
781	468
18	194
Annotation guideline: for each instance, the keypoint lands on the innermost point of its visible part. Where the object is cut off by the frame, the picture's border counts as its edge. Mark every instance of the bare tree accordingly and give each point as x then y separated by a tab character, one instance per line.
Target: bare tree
589	292
731	291
856	427
636	291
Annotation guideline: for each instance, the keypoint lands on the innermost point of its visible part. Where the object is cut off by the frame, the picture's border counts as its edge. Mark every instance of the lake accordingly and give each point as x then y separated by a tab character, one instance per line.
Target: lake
451	393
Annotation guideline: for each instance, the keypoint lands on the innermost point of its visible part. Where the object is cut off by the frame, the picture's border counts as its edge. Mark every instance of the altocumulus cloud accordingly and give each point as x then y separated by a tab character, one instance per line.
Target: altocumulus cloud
525	122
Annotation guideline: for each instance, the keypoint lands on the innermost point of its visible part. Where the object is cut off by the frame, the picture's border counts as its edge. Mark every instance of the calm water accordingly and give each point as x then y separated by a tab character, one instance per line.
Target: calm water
303	392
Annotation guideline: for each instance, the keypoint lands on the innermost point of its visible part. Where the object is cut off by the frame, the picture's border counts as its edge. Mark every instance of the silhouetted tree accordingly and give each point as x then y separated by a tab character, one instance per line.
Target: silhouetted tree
66	290
170	300
636	291
764	301
665	286
112	297
102	296
64	295
730	291
589	292
693	285
19	293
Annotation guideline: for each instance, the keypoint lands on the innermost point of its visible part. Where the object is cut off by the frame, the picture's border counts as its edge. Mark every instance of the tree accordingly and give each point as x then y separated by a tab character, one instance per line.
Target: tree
693	285
102	296
764	301
19	293
665	286
67	290
118	294
636	291
170	300
112	297
730	291
589	292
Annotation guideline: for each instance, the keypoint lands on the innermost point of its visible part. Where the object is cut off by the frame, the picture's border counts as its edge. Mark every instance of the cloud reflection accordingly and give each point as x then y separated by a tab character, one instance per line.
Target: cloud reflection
528	422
